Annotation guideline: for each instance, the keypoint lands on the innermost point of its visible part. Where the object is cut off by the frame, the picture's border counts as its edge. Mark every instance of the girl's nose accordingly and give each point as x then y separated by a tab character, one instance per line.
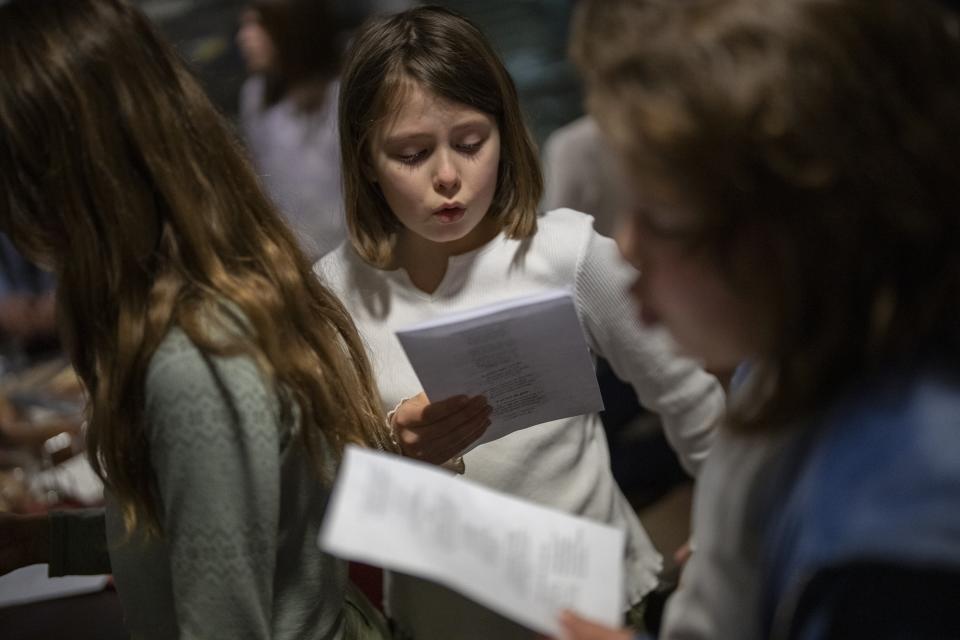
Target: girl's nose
446	178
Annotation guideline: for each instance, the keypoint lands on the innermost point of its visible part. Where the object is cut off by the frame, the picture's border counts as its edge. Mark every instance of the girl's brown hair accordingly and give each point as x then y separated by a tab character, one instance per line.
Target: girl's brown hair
308	39
448	56
827	132
116	169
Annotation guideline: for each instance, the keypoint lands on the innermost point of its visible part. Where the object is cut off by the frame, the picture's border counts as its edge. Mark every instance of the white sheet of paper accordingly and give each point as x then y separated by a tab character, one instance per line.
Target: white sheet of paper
527	355
525	561
31	584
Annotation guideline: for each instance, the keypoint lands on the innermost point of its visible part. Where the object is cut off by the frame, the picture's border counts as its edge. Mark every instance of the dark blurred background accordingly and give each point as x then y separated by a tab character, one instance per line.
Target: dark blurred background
530	35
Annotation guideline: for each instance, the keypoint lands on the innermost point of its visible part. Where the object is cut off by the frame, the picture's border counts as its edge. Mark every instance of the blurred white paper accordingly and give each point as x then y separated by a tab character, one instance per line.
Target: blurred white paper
527	355
525	561
31	584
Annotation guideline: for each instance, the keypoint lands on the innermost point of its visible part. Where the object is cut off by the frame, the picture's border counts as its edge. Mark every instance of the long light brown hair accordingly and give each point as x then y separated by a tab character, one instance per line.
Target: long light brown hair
117	170
828	133
447	55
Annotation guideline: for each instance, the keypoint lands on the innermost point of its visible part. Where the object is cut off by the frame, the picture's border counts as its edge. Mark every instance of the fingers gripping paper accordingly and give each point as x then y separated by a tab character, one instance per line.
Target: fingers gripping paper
528	356
525	561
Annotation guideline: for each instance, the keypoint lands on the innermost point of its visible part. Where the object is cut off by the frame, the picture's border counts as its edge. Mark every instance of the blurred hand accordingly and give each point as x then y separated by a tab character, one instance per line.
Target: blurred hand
438	431
576	628
24	540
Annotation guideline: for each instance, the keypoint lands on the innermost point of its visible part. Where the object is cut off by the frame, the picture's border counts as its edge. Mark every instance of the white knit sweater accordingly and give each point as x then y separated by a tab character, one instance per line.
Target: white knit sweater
564	463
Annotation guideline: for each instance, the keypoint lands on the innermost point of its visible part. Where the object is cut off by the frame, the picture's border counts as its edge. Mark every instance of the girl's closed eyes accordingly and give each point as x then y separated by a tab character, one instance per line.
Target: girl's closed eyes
413	156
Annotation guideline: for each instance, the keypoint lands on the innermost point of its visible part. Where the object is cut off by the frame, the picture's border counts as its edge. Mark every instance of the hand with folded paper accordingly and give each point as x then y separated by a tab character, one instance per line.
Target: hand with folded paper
523	560
527	356
438	431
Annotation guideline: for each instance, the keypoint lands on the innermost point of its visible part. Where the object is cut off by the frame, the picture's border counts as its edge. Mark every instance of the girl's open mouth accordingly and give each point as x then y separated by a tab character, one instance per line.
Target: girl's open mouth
448	215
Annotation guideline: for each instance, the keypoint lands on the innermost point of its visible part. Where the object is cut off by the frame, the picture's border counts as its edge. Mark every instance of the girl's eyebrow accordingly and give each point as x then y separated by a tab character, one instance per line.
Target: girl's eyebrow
404	137
472	122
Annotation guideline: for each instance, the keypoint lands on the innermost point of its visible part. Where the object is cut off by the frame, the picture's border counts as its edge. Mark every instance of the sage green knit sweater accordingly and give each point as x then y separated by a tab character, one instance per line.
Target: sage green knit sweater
240	509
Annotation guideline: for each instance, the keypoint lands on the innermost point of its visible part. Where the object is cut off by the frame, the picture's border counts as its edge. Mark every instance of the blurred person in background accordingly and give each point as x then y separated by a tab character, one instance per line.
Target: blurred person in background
796	206
288	107
581	169
288	112
582	172
223	379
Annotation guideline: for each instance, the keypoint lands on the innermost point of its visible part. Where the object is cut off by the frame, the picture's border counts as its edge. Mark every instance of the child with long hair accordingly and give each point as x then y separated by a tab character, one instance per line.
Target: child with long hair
441	184
223	379
797	207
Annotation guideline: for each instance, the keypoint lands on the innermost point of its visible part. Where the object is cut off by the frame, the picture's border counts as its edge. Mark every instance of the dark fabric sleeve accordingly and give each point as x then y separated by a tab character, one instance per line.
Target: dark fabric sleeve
877	601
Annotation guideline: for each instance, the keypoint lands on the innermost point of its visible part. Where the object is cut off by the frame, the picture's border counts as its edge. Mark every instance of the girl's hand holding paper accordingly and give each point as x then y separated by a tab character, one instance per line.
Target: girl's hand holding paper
438	431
